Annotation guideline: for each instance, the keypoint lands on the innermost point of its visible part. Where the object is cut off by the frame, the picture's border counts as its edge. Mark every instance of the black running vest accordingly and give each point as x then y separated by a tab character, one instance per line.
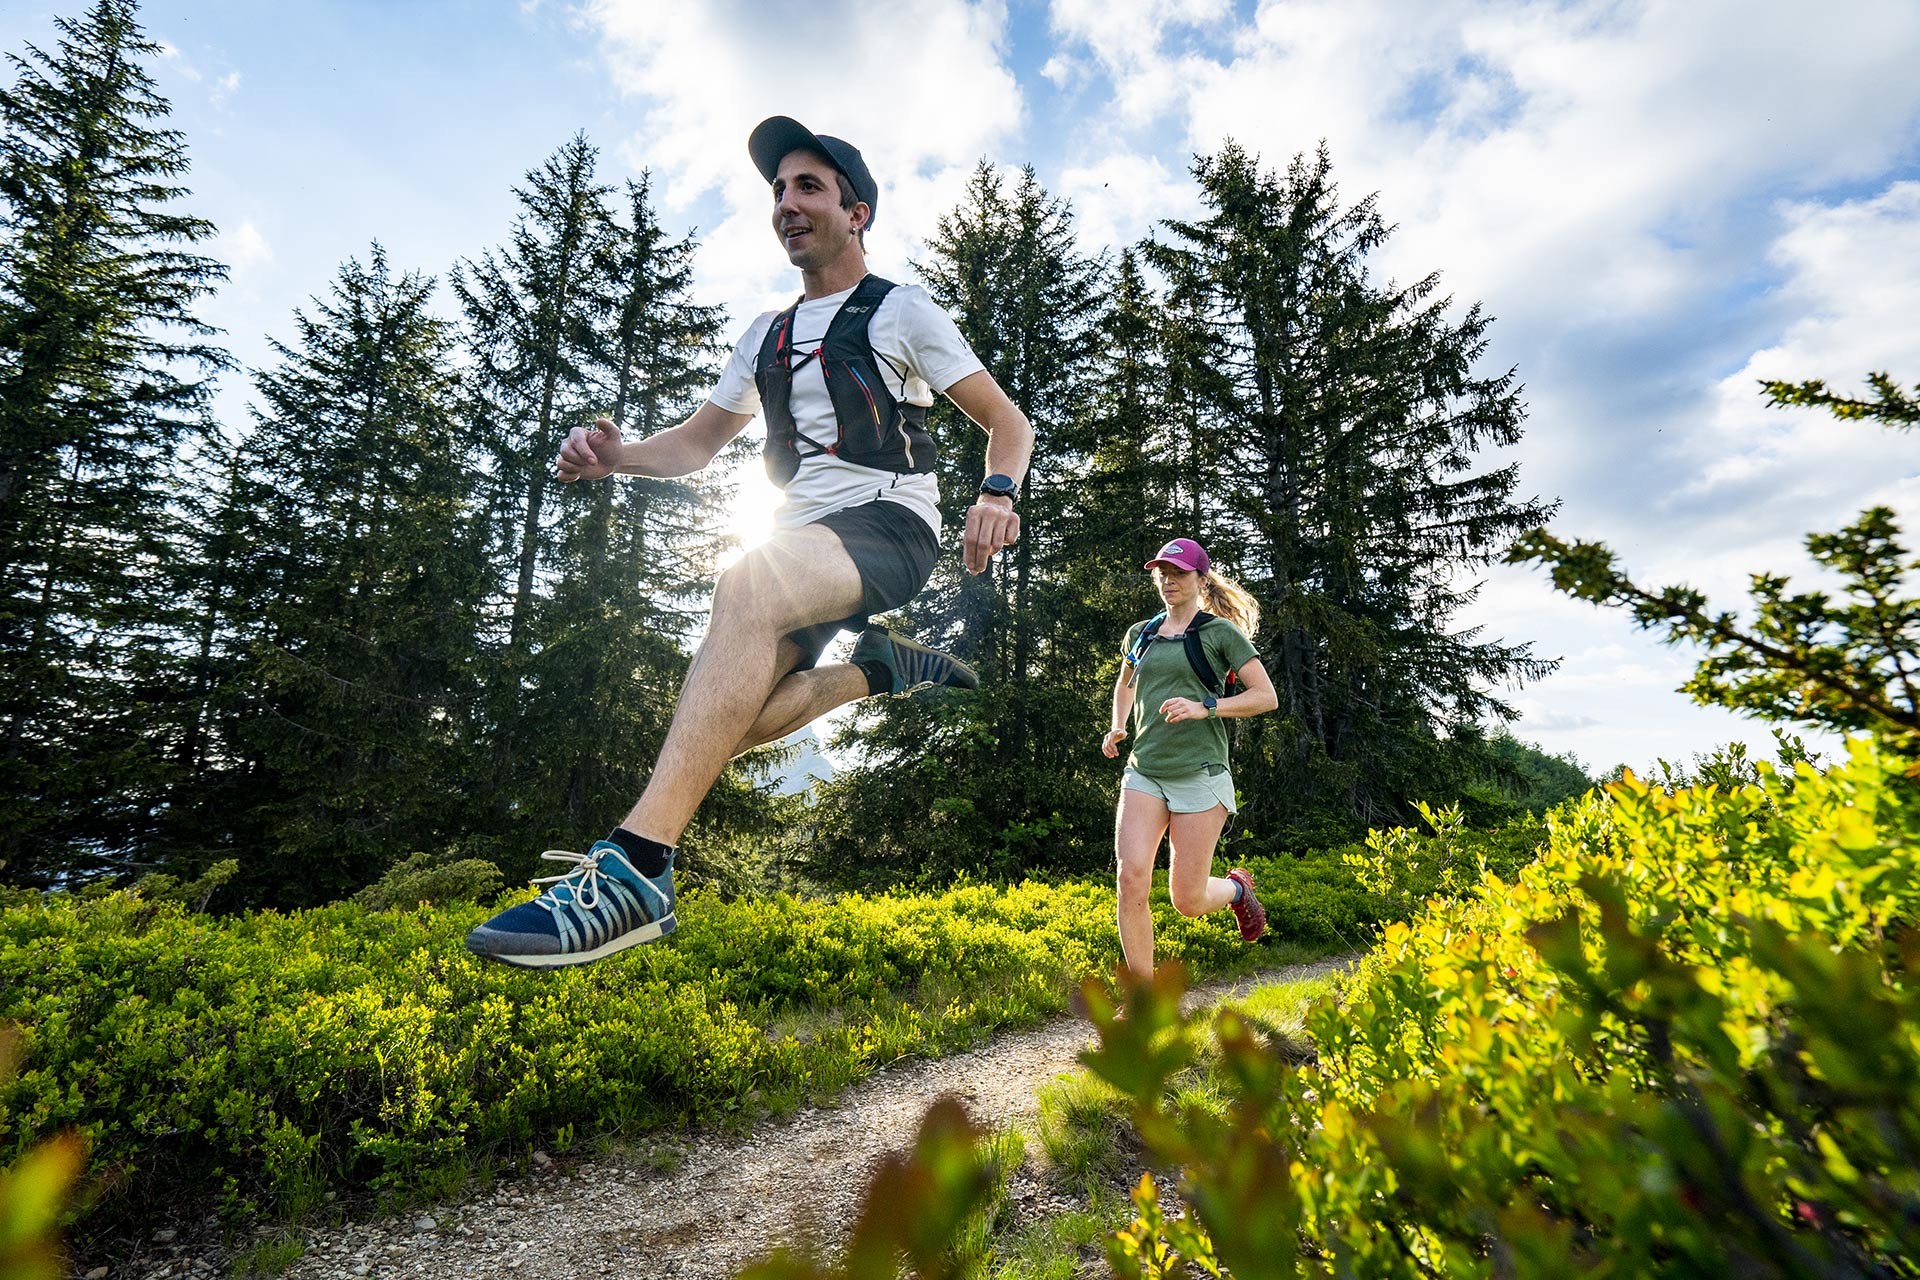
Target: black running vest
874	429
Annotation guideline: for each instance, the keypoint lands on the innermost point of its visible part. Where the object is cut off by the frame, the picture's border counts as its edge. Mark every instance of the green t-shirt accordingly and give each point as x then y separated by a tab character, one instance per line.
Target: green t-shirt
1163	750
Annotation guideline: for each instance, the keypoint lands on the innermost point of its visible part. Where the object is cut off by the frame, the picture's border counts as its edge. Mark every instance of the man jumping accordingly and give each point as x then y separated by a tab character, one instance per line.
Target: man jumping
844	378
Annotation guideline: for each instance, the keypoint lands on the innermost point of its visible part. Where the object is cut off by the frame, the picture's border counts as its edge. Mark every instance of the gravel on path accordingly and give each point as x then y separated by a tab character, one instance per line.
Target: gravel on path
730	1198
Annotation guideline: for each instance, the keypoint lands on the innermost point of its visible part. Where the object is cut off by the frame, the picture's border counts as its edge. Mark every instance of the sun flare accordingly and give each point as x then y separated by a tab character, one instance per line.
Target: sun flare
750	515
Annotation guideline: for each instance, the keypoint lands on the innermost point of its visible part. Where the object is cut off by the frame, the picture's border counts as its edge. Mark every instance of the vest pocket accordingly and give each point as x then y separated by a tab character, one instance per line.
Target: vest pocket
867	435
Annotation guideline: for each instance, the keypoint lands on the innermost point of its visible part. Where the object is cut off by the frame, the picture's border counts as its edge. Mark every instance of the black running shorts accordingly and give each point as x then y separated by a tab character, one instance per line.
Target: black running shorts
894	551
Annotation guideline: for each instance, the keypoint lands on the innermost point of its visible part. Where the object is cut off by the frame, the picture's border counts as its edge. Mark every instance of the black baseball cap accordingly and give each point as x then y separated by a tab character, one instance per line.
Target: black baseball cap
775	136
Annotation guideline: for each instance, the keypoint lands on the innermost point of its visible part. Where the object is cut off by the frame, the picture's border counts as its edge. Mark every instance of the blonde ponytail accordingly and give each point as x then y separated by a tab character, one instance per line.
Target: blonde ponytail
1222	597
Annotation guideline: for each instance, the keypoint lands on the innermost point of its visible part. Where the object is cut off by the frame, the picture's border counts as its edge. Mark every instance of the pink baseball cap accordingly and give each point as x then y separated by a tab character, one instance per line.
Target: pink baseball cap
1183	553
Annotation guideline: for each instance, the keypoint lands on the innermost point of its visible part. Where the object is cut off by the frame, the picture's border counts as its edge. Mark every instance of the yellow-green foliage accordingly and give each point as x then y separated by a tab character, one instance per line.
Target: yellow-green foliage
260	1059
33	1194
1685	1041
1832	854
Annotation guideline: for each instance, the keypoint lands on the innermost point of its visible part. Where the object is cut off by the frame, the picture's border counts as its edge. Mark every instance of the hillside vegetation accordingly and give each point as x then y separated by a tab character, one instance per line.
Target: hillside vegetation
262	1060
1684	1041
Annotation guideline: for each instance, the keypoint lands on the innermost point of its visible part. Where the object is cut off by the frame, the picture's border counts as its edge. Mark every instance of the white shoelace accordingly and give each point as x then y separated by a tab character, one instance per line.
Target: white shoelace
586	889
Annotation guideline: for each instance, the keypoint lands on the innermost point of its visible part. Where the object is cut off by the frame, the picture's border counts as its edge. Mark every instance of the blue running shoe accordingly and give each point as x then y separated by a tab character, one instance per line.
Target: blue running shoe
601	906
909	665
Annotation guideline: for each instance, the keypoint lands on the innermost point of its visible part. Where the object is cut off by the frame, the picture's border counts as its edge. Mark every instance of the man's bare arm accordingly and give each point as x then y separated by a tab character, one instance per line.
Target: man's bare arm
991	522
590	453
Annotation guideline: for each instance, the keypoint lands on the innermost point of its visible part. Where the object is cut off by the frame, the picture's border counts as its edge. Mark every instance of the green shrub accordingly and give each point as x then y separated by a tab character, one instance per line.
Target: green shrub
1640	1051
263	1058
192	894
1685	1040
421	879
33	1192
1404	868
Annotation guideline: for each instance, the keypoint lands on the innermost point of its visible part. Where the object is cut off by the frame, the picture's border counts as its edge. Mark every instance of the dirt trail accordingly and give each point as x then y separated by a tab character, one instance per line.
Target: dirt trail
730	1198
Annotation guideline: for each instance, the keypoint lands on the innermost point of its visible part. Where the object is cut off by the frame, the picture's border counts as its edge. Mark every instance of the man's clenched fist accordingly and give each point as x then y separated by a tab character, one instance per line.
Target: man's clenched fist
590	453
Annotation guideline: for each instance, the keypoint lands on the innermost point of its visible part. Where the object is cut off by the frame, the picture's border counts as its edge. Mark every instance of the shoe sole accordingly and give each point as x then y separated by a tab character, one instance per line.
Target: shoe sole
1261	930
969	679
632	938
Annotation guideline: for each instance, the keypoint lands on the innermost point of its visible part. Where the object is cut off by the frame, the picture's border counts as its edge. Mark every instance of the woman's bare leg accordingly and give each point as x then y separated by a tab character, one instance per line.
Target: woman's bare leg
1137	828
1195	890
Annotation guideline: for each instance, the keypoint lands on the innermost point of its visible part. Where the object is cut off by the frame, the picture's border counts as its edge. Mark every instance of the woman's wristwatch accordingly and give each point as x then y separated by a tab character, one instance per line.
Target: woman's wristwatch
1212	704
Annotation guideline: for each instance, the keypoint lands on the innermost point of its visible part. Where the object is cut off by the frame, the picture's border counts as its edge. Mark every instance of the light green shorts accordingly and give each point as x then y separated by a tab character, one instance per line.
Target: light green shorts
1188	793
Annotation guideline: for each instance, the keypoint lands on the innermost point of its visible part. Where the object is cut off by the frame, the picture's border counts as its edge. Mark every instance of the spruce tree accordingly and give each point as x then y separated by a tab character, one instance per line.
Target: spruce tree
1336	446
1131	486
535	311
104	379
238	511
632	558
1007	772
350	716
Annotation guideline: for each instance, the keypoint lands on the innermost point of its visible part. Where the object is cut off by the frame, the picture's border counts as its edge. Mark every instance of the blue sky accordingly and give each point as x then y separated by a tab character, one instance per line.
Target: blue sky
1660	202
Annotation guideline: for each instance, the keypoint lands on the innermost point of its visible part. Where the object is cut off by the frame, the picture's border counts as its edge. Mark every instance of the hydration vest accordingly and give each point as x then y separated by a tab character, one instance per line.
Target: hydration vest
1196	654
874	429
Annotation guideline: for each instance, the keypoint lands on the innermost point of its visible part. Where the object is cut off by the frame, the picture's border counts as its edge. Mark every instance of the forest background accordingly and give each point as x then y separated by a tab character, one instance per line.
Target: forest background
1659	215
983	231
369	625
357	632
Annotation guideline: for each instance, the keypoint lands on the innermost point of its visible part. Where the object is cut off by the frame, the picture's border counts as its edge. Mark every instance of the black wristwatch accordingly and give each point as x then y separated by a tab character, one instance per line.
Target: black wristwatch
1212	704
999	486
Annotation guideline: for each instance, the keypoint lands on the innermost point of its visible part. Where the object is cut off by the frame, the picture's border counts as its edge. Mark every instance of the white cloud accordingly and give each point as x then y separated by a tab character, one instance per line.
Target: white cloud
1556	159
1119	198
922	90
170	53
1852	274
1126	36
1615	696
243	248
1062	71
1538	719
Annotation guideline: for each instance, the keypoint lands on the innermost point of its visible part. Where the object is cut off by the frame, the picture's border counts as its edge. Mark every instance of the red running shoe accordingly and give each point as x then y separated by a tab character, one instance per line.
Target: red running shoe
1248	911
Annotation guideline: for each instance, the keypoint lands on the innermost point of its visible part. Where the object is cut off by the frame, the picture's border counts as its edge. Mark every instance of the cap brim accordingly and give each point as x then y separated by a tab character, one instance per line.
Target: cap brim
773	138
1175	563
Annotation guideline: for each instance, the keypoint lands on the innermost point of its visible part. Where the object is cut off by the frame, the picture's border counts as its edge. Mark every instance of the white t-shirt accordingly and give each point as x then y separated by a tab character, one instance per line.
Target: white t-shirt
910	331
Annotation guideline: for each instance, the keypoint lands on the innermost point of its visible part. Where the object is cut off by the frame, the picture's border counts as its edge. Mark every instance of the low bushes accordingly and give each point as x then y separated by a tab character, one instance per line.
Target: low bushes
1686	1040
266	1058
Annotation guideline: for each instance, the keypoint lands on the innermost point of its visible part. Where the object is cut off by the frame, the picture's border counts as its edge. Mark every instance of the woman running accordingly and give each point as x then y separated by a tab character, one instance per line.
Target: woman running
1183	672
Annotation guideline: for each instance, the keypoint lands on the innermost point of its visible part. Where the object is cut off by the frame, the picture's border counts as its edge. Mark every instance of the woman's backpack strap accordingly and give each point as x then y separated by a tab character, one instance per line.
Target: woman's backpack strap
1132	657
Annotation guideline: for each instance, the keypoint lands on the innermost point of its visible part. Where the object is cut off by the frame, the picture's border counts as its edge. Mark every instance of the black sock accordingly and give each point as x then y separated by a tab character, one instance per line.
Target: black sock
649	857
879	679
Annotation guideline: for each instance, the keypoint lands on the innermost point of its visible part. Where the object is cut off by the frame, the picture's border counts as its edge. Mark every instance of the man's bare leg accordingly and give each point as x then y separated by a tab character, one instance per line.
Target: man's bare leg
621	893
802	697
798	578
